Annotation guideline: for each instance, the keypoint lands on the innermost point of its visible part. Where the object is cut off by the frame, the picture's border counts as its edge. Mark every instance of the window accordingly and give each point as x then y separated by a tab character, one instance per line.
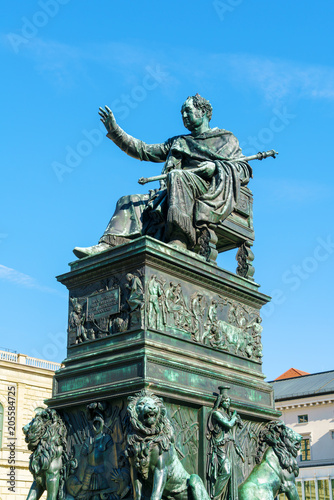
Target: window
305	450
299	489
302	419
323	489
309	488
282	496
1	424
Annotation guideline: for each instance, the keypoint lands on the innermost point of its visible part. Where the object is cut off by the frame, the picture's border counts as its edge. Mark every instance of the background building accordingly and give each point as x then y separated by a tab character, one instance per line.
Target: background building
307	406
25	383
305	400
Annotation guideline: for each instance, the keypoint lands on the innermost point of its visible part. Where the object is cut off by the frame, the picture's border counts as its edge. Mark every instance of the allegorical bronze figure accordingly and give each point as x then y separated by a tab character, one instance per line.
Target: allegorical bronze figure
224	451
199	186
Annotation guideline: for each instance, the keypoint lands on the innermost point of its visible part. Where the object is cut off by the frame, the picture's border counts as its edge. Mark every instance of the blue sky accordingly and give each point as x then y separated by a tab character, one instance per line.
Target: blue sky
268	70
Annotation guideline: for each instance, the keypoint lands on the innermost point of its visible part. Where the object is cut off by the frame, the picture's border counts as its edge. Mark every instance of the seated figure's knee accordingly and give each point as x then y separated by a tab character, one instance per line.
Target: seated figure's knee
173	174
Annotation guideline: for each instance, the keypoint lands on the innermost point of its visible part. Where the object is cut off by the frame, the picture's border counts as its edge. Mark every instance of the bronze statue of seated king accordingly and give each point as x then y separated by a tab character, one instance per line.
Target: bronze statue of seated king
202	204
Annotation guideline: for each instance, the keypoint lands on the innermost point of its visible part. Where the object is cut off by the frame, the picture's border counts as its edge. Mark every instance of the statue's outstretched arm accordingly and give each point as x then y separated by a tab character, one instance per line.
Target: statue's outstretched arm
130	145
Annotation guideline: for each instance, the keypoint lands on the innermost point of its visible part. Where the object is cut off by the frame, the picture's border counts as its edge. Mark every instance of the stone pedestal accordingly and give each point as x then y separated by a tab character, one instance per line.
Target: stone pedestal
146	315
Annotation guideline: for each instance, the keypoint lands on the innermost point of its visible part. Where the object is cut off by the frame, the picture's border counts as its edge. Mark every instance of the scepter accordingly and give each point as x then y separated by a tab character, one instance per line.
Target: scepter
258	156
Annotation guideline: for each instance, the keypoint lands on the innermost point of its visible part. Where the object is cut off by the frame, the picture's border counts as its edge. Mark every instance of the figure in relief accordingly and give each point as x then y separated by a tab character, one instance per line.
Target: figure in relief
155	310
198	310
136	298
90	477
224	451
76	321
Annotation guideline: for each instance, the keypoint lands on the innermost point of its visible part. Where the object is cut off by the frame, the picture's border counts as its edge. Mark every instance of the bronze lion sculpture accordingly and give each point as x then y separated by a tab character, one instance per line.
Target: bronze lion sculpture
156	471
49	462
277	470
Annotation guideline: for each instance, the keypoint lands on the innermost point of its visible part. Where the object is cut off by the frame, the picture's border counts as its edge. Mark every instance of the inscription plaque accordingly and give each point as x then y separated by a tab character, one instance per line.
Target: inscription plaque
103	304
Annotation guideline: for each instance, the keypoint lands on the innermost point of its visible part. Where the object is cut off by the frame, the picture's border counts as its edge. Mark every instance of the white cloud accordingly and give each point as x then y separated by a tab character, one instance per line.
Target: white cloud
278	78
24	280
65	65
275	78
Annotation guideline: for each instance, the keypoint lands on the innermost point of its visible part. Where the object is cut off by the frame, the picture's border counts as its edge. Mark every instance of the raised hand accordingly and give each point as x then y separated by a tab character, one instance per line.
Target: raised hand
107	118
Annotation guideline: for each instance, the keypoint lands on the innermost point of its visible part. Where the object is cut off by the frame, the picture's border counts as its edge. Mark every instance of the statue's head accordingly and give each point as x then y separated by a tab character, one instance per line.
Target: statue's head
98	424
96	412
195	110
76	306
285	443
225	402
148	414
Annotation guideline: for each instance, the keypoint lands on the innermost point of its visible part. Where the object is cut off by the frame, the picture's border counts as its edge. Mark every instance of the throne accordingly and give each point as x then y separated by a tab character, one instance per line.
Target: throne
236	231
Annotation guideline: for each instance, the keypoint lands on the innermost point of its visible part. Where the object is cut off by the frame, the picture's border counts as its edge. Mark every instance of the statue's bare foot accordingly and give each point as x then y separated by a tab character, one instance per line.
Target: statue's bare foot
95	249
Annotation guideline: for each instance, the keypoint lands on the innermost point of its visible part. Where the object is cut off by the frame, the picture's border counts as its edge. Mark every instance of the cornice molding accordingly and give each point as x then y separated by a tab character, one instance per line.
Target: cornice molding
288	406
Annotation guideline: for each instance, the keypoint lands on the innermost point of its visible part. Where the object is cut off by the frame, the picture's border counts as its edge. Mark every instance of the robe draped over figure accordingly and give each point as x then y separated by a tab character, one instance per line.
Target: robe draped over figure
186	200
223	460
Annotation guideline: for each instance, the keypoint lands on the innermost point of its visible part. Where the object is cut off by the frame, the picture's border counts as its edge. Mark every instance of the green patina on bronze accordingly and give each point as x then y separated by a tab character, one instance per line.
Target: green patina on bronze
172	342
224	451
156	468
49	463
150	316
276	468
165	337
200	187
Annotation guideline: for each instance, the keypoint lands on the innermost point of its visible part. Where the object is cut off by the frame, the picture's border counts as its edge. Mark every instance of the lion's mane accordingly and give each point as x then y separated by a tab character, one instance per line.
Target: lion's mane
45	434
141	439
276	435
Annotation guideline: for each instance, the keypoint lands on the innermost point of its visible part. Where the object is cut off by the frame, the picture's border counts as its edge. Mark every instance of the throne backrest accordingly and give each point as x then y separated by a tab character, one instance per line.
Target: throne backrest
237	228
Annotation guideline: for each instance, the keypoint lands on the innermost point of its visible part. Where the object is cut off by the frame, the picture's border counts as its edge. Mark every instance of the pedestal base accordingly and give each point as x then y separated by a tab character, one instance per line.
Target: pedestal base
146	315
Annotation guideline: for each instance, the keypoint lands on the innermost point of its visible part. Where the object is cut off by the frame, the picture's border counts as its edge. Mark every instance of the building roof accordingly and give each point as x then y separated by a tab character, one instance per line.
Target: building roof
306	385
10	356
292	372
